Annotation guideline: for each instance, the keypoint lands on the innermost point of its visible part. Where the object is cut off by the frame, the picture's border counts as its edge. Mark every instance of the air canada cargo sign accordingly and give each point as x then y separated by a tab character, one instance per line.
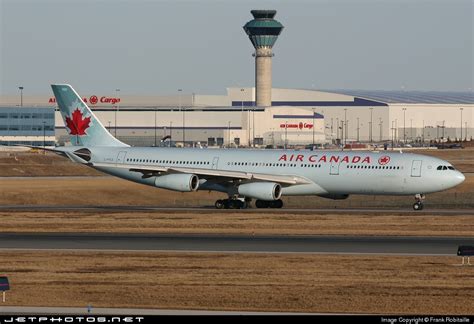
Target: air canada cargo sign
297	125
94	100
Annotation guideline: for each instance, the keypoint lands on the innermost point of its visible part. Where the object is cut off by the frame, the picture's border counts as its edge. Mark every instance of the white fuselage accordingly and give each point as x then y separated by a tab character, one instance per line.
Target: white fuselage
330	173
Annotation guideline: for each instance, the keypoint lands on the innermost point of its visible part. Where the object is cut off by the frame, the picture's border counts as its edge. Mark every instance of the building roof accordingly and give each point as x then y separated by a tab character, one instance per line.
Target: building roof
412	97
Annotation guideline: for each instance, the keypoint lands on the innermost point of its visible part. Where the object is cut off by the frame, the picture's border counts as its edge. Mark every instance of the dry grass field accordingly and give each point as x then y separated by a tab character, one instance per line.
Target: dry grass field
111	191
254	223
250	282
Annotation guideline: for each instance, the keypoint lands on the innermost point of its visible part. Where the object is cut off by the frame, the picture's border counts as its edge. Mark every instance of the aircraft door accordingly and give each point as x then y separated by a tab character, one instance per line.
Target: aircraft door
214	162
121	157
416	168
334	170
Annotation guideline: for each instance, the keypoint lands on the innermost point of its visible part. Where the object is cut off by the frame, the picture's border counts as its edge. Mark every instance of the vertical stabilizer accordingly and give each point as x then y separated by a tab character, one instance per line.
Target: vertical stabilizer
81	124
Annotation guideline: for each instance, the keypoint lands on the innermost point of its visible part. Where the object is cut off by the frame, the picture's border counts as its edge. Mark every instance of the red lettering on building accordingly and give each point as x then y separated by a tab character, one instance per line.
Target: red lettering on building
299	125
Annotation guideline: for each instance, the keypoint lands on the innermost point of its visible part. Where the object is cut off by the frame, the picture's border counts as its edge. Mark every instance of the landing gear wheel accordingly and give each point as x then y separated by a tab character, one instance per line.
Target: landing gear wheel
418	206
219	204
230	204
261	203
269	204
278	203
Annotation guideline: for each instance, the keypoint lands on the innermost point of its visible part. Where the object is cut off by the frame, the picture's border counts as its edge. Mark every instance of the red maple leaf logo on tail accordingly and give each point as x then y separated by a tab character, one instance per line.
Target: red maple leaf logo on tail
77	124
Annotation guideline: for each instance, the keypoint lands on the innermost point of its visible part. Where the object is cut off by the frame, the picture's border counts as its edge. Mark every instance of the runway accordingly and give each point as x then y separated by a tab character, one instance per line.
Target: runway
211	209
236	243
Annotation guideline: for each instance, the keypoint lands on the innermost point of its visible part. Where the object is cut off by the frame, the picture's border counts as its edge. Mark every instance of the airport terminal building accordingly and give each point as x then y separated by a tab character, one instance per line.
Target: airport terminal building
297	117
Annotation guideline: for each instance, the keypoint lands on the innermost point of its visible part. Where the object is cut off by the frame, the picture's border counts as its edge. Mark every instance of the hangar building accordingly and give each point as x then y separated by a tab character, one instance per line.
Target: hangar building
296	117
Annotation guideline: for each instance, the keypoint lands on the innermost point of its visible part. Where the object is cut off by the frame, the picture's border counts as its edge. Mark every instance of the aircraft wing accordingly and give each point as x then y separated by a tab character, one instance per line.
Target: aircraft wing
149	171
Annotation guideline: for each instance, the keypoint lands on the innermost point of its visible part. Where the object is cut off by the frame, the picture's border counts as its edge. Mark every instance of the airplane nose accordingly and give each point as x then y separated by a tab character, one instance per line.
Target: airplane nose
459	178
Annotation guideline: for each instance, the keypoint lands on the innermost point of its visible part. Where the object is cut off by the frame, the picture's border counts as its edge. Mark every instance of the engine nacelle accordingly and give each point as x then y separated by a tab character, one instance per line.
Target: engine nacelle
261	190
178	182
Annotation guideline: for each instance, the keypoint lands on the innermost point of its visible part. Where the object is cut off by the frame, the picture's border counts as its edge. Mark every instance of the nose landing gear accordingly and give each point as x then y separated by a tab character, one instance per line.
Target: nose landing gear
418	205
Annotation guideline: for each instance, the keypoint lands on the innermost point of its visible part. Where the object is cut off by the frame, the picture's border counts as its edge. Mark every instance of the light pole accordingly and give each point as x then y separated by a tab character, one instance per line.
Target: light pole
342	134
253	127
171	130
380	125
155	126
404	127
21	95
184	121
242	97
116	110
286	134
370	129
345	125
461	109
313	128
423	134
358	129
411	130
393	132
443	129
228	131
109	125
44	136
332	130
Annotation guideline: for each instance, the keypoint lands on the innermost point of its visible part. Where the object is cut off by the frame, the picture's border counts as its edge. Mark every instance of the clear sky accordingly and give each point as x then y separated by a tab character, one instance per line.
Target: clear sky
156	47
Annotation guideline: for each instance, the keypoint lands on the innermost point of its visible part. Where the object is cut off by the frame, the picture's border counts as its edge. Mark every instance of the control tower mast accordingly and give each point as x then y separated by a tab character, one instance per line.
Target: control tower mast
263	32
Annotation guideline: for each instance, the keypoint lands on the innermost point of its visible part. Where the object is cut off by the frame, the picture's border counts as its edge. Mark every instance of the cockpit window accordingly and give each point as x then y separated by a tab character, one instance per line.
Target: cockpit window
445	167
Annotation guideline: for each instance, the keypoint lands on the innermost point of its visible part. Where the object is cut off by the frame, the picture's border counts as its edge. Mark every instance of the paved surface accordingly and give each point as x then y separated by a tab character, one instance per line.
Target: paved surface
210	209
236	243
18	310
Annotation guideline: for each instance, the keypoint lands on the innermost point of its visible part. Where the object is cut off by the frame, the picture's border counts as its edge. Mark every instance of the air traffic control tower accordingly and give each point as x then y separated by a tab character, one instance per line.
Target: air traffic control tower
263	32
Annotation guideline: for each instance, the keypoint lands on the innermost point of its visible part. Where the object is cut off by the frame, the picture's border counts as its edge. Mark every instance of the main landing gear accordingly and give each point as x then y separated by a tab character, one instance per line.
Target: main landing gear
231	203
269	204
236	203
418	205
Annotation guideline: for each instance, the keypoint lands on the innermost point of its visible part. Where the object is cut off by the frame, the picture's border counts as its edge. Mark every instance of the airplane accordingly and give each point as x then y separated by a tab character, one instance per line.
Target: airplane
246	174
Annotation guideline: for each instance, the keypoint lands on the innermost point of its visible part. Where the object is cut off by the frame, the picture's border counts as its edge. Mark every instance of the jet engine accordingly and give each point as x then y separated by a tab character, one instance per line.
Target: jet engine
178	182
261	190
